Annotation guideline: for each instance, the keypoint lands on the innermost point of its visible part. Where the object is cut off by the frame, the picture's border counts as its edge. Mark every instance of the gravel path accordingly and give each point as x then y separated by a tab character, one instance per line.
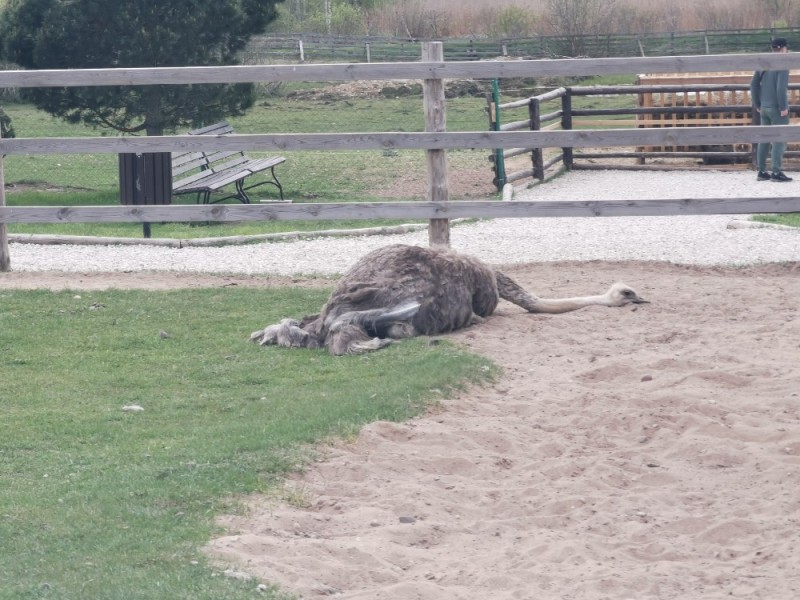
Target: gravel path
700	240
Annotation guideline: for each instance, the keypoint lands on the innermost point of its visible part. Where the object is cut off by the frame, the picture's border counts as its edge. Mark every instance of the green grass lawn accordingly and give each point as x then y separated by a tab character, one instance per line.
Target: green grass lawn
96	502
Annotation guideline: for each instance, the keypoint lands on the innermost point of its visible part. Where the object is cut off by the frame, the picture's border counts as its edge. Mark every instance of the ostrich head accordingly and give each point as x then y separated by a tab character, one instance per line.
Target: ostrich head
620	294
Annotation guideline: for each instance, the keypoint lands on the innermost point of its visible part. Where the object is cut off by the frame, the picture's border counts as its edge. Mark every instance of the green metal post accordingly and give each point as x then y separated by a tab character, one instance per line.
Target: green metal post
498	153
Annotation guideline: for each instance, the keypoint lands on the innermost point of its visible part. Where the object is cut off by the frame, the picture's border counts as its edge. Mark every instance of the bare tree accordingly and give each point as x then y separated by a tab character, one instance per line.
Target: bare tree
577	19
328	17
776	11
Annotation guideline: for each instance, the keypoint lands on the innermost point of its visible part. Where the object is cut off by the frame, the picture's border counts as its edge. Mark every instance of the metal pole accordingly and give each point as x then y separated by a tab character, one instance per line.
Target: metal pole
499	161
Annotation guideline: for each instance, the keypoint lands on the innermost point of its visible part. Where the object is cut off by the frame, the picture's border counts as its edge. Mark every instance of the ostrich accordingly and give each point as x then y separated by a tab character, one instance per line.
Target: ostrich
402	291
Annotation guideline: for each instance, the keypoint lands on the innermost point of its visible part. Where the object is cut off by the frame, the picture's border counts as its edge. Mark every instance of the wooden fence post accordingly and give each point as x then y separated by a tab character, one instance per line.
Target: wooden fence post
436	121
567	155
5	257
537	154
755	117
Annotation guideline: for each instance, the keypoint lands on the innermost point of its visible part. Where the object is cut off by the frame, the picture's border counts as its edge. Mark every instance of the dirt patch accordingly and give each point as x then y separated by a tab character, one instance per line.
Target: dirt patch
41	186
468	177
145	281
351	89
387	89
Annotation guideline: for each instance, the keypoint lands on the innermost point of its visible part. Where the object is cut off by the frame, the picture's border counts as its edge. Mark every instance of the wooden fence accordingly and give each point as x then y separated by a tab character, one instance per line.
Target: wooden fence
691	102
434	142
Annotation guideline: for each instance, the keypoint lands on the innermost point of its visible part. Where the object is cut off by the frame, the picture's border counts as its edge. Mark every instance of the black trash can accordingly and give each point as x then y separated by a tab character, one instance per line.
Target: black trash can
145	179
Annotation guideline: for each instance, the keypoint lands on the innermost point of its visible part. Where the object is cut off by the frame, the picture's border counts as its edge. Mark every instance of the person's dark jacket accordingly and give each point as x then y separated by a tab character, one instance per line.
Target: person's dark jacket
769	89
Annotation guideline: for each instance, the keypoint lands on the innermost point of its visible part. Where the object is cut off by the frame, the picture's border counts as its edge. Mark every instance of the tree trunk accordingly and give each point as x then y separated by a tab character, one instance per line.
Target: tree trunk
154	124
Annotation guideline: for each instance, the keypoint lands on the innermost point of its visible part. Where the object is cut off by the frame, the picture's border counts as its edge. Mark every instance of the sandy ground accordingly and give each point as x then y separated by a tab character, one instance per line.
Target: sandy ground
643	452
649	452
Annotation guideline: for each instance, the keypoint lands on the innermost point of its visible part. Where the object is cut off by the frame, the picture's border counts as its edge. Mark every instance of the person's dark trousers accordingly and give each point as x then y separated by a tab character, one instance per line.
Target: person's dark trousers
771	116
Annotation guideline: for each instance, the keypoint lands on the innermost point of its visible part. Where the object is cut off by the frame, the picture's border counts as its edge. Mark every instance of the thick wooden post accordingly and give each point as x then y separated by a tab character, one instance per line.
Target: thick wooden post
5	257
537	154
436	121
566	124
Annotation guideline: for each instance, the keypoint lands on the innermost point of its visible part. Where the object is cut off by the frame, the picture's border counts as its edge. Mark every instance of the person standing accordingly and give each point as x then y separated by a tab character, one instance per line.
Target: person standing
769	92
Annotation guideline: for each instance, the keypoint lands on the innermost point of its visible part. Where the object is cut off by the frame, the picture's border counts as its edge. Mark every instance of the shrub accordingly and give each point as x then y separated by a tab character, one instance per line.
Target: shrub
514	22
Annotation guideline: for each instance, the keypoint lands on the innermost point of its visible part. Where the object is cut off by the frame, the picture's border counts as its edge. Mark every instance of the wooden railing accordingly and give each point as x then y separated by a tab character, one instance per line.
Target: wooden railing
535	121
434	141
555	110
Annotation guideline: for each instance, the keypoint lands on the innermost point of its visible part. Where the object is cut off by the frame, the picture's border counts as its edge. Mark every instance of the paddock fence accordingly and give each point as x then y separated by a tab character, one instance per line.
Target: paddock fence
656	101
315	47
435	141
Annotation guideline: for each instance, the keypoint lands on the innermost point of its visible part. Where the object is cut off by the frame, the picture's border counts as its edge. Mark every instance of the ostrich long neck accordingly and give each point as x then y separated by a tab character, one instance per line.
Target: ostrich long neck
562	305
508	289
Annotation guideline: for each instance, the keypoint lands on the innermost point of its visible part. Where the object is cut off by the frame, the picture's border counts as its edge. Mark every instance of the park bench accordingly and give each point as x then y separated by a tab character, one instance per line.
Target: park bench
207	173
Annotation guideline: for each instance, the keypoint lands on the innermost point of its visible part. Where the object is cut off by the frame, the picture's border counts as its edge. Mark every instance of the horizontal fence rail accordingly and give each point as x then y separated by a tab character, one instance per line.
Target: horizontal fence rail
398	210
405	141
568	67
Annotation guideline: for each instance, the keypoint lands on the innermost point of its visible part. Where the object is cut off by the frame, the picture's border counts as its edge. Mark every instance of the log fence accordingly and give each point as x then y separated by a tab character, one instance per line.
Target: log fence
659	106
436	139
696	100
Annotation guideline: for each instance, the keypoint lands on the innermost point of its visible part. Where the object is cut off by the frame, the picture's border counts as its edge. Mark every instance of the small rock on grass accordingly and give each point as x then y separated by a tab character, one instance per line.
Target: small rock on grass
240	575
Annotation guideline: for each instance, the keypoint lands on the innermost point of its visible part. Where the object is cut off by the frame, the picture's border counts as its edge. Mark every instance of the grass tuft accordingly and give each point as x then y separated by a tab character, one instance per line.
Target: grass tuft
790	219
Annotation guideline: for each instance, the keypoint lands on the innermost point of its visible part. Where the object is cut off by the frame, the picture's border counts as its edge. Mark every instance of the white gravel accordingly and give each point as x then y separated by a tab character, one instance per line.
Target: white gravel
700	240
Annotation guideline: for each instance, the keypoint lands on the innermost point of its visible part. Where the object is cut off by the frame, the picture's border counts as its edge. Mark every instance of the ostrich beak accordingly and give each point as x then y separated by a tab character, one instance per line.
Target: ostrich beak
639	300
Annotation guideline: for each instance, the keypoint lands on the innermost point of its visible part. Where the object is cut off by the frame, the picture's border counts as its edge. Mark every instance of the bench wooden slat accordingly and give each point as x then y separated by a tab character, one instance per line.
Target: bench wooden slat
184	164
221	128
213	181
227	165
218	159
185	185
265	163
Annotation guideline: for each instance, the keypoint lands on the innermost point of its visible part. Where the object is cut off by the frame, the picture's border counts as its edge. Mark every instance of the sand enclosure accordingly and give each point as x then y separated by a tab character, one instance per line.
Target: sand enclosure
641	452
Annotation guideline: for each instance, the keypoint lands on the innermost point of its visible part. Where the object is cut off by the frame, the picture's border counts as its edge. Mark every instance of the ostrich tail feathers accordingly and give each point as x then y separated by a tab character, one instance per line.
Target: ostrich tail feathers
401	312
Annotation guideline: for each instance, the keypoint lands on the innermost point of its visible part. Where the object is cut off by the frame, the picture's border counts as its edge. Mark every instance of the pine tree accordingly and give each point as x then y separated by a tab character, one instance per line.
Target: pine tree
53	34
